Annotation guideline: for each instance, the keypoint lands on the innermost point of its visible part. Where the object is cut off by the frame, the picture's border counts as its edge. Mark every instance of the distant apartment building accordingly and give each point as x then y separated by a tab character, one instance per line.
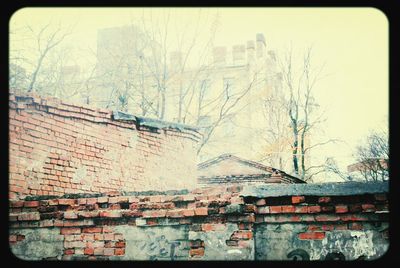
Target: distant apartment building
128	61
368	164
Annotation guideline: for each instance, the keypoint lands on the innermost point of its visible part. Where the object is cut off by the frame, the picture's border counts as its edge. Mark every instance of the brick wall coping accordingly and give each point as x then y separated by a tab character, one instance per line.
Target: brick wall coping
152	123
318	189
98	115
258	191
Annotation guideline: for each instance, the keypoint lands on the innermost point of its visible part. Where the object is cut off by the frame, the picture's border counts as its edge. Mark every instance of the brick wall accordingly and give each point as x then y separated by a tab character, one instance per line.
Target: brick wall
57	148
347	221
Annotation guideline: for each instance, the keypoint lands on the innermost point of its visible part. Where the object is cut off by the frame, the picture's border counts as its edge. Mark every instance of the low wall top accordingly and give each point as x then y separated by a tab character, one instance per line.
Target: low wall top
334	189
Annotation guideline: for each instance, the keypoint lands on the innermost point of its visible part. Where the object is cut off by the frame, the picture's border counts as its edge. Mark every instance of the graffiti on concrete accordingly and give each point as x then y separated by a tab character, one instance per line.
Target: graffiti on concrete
157	247
298	255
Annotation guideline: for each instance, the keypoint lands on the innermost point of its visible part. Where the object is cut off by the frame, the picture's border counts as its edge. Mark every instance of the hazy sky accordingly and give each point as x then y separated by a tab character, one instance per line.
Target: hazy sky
353	42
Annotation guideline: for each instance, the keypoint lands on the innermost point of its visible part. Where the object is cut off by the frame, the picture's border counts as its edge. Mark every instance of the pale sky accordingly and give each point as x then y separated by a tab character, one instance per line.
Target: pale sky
353	42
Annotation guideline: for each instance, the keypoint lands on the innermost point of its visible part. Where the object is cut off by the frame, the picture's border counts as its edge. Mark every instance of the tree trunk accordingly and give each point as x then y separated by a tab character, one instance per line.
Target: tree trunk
34	75
295	159
162	114
303	166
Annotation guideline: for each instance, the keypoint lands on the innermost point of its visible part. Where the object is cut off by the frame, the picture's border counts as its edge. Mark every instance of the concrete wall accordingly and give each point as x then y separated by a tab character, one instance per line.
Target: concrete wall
328	221
58	148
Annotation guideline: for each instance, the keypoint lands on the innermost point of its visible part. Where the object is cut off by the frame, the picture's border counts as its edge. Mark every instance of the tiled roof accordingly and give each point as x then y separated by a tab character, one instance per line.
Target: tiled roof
270	171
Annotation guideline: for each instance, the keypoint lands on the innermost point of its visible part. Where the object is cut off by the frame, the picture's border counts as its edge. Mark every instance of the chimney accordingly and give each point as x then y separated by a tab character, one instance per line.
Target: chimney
220	55
238	54
260	45
250	51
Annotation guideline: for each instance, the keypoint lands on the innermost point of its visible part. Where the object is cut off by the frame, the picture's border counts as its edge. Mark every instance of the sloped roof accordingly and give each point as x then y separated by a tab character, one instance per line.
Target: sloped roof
230	165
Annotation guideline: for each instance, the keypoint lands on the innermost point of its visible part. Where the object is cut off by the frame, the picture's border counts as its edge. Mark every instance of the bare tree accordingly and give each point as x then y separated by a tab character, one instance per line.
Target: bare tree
33	56
302	109
228	106
276	134
372	160
373	157
45	43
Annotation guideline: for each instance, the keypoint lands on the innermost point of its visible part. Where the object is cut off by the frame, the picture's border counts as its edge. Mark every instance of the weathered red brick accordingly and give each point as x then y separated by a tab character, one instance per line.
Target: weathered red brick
327	227
102	199
275	209
70	202
201	211
120	244
324	199
175	213
81	201
68	231
188	212
88	214
313	209
368	207
58	223
313	227
353	218
154	213
194	252
31	204
70	215
242	234
133	199
311	236
98	251
327	217
250	208
89	251
47	223
295	218
12	238
287	209
205	227
119	251
92	230
69	251
327	208
110	214
98	236
16	204
341	209
298	199
151	221
29	216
